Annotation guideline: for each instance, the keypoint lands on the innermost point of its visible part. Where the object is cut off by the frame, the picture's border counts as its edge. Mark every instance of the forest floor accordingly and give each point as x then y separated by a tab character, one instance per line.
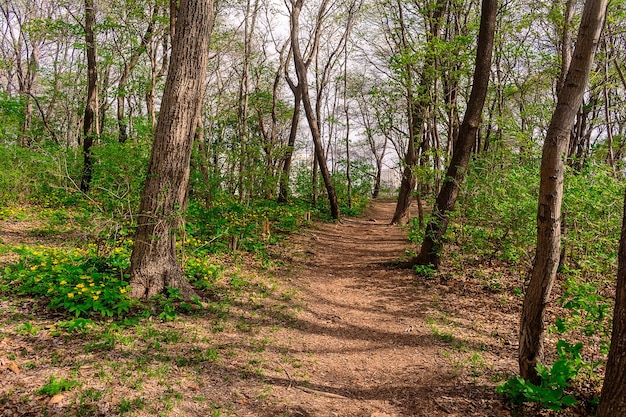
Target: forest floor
326	327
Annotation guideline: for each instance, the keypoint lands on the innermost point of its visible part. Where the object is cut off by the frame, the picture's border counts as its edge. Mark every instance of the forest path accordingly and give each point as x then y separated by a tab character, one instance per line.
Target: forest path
365	336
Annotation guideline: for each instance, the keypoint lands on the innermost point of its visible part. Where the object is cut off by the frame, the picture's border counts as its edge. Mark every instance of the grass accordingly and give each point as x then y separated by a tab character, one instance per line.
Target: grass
159	361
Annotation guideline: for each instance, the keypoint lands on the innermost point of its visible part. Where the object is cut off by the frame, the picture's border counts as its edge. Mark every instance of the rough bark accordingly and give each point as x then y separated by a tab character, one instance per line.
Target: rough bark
153	261
551	190
446	199
613	397
90	122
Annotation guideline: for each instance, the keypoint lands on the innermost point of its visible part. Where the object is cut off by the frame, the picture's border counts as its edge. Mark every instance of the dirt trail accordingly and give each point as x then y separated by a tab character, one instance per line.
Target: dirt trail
365	335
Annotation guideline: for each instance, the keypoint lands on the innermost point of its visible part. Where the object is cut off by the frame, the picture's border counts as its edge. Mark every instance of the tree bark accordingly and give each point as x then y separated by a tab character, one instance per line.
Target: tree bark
283	193
613	397
90	122
551	190
301	71
153	261
446	199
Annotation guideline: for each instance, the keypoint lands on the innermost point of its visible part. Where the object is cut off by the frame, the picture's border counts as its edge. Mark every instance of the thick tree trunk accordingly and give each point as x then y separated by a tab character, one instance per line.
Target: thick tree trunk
153	261
551	190
446	199
613	398
90	123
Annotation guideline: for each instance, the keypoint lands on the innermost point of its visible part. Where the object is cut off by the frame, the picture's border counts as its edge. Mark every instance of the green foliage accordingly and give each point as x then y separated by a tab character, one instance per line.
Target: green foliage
119	174
590	310
12	111
172	303
592	212
75	280
550	393
213	229
426	271
497	209
362	176
56	386
35	175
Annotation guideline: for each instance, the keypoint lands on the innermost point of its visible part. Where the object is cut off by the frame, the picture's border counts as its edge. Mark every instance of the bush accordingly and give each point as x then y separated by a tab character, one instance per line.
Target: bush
550	393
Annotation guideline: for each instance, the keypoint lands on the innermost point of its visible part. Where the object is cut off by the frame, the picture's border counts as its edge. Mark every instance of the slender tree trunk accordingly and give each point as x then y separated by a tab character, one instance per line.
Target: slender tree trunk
551	190
122	123
377	180
244	99
90	123
153	261
566	46
283	195
346	110
613	397
446	199
417	107
301	71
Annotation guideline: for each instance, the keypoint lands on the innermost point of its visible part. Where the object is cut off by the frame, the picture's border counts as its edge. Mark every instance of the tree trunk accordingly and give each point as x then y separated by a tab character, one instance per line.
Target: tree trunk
416	107
90	123
446	199
153	261
613	397
551	190
122	123
283	193
301	71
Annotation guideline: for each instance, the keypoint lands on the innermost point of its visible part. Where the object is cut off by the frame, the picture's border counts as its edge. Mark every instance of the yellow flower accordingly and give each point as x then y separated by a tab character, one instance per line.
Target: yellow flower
63	282
81	285
83	289
50	289
32	268
98	292
92	284
95	297
70	295
122	290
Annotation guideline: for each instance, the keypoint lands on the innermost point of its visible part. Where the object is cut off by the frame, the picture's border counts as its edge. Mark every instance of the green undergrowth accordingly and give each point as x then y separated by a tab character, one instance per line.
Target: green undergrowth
491	239
78	281
551	392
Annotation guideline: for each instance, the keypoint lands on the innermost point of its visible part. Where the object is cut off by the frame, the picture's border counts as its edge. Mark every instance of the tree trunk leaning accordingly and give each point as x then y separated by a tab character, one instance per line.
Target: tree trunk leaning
551	190
446	199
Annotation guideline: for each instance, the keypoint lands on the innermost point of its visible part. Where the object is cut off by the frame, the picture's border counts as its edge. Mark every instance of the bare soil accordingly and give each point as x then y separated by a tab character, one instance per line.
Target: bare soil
333	329
379	341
